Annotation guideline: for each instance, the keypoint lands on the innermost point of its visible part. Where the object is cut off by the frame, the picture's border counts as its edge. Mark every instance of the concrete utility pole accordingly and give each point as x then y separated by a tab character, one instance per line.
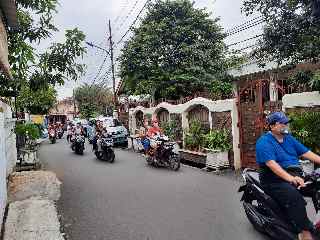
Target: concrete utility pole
112	66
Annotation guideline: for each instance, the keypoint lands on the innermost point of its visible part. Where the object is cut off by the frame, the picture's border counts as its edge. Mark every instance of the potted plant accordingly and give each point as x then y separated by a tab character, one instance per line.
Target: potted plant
217	144
193	142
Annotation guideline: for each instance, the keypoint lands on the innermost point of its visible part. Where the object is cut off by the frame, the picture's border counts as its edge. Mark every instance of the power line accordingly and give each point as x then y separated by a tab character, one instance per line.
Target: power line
248	39
134	22
128	15
123	8
251	46
243	24
245	28
99	71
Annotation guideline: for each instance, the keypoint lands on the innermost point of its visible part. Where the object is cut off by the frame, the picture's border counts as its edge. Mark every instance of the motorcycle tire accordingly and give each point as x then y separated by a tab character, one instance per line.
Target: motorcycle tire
99	155
53	141
111	157
149	160
266	225
174	163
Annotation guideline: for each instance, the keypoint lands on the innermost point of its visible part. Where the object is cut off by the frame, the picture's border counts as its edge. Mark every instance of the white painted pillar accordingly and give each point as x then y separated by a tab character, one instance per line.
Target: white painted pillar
236	135
185	124
210	120
3	168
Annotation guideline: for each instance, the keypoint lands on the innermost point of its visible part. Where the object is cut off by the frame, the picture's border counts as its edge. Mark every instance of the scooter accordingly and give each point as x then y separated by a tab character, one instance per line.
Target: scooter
104	151
265	214
52	136
161	154
60	133
77	144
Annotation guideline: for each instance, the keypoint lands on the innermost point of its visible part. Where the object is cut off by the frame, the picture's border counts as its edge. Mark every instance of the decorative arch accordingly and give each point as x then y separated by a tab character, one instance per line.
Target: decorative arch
163	115
199	113
139	118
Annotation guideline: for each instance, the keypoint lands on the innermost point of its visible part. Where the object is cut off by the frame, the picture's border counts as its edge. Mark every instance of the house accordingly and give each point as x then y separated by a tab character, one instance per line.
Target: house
8	151
8	21
64	110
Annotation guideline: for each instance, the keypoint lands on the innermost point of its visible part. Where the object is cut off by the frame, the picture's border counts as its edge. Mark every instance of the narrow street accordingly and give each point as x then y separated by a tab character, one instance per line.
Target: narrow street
129	200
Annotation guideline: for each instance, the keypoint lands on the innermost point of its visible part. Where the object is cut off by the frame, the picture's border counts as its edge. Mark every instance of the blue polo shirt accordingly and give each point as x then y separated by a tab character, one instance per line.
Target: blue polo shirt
285	154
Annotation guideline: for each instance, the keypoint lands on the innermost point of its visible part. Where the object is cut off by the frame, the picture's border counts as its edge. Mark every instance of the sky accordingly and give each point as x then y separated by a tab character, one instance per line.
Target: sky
92	18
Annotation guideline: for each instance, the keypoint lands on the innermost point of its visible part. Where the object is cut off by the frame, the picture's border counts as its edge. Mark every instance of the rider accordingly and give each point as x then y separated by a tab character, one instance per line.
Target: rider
152	132
276	151
98	133
51	127
103	134
69	131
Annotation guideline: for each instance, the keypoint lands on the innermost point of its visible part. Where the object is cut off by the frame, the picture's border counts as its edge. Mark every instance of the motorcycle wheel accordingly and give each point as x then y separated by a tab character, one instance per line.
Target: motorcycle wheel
111	156
265	225
149	160
174	162
99	155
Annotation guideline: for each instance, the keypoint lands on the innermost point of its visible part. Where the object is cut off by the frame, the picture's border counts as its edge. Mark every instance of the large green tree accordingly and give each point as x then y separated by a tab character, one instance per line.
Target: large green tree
290	33
176	51
36	69
93	99
36	101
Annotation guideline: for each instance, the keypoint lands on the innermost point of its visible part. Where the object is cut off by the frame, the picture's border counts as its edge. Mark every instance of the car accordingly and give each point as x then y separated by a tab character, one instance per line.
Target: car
116	129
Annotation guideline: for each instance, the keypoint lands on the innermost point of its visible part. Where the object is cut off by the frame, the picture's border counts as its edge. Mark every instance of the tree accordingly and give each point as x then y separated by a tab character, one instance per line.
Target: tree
175	51
36	101
291	35
93	99
39	70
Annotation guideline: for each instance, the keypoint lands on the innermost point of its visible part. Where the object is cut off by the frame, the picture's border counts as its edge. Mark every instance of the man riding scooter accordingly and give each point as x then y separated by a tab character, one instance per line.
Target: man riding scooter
276	152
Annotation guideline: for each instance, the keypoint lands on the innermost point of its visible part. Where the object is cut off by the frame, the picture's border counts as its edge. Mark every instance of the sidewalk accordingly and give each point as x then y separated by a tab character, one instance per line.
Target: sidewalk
32	213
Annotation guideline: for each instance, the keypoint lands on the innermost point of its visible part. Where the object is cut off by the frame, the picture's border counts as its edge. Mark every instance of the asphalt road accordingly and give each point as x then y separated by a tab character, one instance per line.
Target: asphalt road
128	200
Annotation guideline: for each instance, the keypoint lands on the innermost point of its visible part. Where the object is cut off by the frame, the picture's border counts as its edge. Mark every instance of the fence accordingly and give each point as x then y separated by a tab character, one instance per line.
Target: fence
8	152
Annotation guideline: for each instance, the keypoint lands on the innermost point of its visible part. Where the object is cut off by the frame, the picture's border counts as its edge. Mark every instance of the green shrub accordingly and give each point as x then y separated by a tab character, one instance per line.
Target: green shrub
172	130
306	128
217	140
194	137
29	130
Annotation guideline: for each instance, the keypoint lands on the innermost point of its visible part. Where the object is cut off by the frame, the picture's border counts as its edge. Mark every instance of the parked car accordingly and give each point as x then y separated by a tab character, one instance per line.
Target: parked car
117	130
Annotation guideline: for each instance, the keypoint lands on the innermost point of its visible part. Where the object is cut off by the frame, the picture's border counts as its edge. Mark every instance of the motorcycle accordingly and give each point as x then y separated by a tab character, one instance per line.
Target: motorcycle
52	136
265	214
105	151
161	154
60	133
77	144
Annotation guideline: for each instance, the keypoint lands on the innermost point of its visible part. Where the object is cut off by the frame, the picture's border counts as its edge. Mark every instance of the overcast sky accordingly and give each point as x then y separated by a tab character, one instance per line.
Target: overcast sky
92	18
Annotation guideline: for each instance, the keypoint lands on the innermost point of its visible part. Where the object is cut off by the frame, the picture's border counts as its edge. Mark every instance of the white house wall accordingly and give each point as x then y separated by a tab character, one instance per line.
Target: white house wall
8	152
183	109
306	99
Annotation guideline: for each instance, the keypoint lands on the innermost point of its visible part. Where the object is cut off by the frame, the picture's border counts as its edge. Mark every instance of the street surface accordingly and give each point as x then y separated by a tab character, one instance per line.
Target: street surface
128	200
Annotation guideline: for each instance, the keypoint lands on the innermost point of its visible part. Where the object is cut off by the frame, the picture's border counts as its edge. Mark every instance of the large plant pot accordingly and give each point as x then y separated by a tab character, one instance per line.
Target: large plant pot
217	160
193	156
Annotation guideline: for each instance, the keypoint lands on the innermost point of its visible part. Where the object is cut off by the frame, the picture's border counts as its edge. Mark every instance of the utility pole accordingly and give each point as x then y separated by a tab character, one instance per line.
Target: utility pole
112	67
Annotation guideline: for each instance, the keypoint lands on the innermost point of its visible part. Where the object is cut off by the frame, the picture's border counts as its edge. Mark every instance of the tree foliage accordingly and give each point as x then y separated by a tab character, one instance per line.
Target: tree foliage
36	101
176	50
290	34
93	99
57	64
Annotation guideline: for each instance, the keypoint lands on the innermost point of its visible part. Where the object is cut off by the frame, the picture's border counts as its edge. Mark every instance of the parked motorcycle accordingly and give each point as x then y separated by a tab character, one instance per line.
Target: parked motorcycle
104	151
52	136
161	154
60	133
77	144
266	215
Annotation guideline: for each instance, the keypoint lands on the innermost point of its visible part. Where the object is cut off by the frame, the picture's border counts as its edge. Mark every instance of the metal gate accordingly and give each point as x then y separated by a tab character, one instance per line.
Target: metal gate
256	99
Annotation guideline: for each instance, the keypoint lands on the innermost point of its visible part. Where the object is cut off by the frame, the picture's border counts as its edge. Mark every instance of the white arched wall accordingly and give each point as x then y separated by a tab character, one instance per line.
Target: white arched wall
213	106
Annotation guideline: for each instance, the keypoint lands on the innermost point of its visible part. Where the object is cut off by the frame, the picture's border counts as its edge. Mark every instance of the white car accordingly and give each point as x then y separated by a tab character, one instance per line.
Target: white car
116	129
